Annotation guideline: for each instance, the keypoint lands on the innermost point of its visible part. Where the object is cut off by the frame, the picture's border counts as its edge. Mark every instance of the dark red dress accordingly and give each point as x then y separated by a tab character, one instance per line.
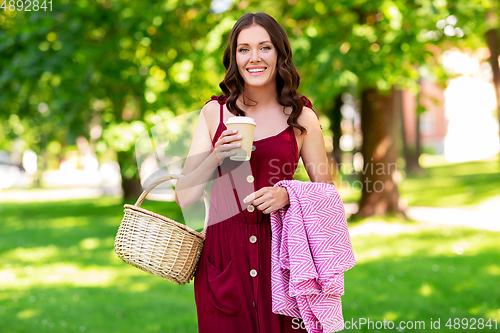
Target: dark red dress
232	285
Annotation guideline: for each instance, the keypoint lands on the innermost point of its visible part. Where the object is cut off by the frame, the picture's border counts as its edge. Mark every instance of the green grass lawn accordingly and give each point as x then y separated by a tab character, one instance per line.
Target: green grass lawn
59	273
432	274
442	184
453	184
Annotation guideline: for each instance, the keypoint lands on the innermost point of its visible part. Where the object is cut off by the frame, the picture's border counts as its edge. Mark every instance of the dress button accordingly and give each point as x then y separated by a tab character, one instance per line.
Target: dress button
253	147
253	273
250	208
253	239
250	179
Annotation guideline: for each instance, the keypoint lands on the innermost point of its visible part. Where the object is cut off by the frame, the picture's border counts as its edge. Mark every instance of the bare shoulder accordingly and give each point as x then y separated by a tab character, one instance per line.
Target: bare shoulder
309	120
308	117
211	109
211	114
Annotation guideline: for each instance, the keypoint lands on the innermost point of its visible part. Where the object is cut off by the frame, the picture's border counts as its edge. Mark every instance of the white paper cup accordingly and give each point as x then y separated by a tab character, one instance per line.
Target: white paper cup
245	127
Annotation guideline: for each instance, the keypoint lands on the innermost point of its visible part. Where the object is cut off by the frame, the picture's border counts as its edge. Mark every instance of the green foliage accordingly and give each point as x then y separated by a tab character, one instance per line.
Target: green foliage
117	63
375	43
113	64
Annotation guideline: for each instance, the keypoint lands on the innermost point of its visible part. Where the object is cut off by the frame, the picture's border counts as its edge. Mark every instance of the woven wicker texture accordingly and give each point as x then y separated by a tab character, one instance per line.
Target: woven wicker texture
157	244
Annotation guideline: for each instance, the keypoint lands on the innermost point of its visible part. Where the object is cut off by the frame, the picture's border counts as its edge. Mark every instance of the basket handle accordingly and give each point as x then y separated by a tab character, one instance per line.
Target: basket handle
167	178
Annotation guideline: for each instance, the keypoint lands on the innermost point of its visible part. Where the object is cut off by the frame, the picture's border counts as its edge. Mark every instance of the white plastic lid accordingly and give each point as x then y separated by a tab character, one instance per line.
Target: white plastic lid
240	120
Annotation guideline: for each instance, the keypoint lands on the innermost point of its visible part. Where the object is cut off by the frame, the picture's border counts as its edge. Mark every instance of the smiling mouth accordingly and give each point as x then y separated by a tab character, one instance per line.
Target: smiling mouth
256	70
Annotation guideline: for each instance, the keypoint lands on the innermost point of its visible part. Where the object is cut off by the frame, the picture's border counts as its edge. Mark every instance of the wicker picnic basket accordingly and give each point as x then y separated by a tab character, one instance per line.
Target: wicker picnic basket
157	244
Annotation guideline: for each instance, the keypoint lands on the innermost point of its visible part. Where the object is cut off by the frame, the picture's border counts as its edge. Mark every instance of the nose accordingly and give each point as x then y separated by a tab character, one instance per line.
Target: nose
255	57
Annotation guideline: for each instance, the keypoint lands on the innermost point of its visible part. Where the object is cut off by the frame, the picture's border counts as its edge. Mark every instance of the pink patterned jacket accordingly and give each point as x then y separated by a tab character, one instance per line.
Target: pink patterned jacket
310	251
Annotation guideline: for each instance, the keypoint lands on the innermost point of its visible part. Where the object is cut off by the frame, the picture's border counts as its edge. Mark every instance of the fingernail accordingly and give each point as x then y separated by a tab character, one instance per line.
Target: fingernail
239	136
234	131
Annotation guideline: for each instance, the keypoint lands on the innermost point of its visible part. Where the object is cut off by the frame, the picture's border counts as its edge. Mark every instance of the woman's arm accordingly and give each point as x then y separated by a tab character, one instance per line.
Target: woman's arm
313	150
202	160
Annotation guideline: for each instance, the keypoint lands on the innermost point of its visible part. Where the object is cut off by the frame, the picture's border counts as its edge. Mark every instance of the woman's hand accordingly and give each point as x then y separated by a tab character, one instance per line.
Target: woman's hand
269	199
223	145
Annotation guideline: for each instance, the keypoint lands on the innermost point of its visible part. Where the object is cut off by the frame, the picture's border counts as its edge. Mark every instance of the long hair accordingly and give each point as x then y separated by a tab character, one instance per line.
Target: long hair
287	76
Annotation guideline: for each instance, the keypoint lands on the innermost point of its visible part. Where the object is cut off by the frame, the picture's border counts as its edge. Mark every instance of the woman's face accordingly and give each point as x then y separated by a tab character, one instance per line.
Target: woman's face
256	56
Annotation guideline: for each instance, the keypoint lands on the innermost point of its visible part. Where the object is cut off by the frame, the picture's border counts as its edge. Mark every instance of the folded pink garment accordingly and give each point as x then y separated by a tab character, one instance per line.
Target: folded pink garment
310	251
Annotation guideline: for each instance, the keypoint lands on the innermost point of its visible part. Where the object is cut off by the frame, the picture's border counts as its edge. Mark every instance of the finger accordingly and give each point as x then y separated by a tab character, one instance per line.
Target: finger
233	145
229	132
230	138
263	205
266	209
262	199
227	139
255	195
252	197
228	146
249	197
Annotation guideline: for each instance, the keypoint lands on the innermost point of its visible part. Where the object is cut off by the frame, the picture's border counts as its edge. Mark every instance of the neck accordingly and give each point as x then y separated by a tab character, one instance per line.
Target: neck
264	96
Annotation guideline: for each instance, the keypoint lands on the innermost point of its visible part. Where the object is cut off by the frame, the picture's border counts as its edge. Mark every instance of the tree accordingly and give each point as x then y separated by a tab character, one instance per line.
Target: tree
126	66
376	46
122	66
379	122
492	39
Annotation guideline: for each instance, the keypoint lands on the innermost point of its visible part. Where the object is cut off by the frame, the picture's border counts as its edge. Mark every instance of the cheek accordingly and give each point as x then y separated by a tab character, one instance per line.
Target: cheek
272	59
239	63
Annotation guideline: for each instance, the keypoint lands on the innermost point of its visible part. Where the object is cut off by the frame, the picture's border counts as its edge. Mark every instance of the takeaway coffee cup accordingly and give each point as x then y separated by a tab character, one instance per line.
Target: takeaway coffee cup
245	127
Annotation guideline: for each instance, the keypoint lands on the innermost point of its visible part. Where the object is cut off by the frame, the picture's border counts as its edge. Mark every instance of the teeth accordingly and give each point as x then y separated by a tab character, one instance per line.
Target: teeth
256	70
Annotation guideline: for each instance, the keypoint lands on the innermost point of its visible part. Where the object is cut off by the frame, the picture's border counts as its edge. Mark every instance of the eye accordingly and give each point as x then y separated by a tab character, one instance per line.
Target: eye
242	49
266	47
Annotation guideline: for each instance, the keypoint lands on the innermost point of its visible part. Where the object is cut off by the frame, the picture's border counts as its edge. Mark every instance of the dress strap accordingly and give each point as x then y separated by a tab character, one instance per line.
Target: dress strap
308	104
221	99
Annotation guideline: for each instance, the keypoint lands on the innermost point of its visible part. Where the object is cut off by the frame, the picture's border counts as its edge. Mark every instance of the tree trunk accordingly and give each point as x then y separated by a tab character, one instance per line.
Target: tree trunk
411	153
379	124
492	40
132	188
336	119
334	157
418	140
406	152
41	161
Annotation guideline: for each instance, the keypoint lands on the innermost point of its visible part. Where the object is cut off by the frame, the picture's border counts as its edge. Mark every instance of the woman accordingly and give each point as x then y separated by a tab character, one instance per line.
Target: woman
232	283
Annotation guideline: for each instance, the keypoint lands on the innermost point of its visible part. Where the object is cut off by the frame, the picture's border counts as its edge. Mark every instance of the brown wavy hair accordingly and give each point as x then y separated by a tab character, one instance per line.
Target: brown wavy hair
287	76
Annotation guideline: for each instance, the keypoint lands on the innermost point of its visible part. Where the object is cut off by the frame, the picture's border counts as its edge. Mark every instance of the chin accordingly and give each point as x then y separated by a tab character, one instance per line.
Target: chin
257	84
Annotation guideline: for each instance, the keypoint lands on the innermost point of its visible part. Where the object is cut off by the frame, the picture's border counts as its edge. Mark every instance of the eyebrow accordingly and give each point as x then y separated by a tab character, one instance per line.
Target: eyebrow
266	41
